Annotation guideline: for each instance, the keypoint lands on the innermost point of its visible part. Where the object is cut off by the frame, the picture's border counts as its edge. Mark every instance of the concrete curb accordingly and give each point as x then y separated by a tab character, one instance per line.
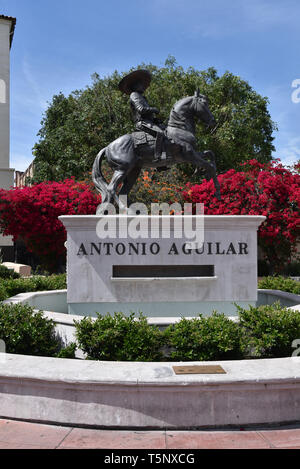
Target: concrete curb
148	395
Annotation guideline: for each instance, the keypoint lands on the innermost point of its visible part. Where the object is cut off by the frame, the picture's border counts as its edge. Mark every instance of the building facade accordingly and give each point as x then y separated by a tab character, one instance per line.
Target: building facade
7	27
22	178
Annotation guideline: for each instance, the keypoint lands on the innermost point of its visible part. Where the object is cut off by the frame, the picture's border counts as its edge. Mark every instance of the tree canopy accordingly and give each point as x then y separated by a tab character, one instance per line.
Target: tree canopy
74	128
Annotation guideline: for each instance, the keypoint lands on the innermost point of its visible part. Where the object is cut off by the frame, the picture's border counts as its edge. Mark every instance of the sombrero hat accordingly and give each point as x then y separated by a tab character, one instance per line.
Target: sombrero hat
142	76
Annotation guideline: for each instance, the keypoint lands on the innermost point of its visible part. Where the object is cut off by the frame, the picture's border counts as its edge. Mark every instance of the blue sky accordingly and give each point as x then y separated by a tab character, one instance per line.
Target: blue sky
59	44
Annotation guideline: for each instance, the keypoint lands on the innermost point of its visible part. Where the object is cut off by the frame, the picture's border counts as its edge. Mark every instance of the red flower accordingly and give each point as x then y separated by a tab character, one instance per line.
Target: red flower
259	189
31	213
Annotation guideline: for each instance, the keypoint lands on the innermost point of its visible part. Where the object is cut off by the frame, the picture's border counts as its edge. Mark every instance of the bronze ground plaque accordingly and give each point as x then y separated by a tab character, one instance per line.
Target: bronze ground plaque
198	369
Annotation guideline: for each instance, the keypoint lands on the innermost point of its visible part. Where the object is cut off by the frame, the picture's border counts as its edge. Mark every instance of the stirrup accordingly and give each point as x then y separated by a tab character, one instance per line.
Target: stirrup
159	153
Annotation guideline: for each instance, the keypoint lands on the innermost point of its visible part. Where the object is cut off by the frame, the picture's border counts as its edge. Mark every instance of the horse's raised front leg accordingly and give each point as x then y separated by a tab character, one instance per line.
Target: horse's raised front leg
199	159
210	154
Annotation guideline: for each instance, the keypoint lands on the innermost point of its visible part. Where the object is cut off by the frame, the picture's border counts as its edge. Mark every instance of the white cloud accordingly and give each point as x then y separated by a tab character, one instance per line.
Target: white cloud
37	95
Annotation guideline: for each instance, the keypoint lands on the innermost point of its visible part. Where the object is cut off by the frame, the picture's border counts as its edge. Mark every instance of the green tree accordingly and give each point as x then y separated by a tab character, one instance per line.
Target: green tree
76	127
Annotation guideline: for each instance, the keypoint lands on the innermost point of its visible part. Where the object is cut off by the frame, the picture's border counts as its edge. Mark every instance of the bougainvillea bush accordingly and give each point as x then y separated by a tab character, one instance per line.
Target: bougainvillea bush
31	214
259	189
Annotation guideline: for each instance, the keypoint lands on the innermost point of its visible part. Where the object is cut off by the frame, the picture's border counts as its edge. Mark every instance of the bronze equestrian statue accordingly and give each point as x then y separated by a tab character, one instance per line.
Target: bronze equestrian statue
153	145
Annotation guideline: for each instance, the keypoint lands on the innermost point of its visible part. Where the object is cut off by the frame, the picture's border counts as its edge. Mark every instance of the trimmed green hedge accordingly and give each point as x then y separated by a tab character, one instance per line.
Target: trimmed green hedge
11	287
28	332
205	338
261	332
280	283
269	330
119	338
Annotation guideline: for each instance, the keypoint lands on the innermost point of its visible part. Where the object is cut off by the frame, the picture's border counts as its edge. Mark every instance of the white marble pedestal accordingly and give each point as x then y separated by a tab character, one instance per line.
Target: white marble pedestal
157	273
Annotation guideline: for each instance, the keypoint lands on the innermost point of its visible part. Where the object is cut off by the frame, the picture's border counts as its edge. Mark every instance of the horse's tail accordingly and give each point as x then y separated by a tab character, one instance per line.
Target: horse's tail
98	178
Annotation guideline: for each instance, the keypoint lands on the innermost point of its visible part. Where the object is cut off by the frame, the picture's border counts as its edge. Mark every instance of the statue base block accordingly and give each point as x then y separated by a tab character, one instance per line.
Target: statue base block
162	266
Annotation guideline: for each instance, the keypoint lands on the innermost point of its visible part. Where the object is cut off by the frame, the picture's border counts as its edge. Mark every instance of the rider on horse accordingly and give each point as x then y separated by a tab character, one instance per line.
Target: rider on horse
130	153
144	117
135	85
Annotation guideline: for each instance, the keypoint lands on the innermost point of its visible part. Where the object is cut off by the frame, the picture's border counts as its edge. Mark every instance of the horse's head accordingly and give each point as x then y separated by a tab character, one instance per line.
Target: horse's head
201	109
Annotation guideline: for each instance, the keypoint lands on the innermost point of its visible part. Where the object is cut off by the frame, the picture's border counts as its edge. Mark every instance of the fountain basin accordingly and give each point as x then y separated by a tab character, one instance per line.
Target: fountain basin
55	301
141	395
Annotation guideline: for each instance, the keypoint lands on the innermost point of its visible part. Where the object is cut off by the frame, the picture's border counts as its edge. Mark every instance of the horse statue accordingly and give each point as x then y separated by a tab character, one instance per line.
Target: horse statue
130	153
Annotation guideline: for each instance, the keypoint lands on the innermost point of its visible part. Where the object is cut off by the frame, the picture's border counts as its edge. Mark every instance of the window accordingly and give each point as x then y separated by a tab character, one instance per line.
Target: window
2	92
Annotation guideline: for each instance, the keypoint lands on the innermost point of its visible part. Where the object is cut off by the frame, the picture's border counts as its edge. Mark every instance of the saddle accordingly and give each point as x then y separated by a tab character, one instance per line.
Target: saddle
160	146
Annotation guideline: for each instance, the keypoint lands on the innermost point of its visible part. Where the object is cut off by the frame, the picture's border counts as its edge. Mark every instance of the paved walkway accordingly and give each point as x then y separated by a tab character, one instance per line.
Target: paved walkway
24	435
